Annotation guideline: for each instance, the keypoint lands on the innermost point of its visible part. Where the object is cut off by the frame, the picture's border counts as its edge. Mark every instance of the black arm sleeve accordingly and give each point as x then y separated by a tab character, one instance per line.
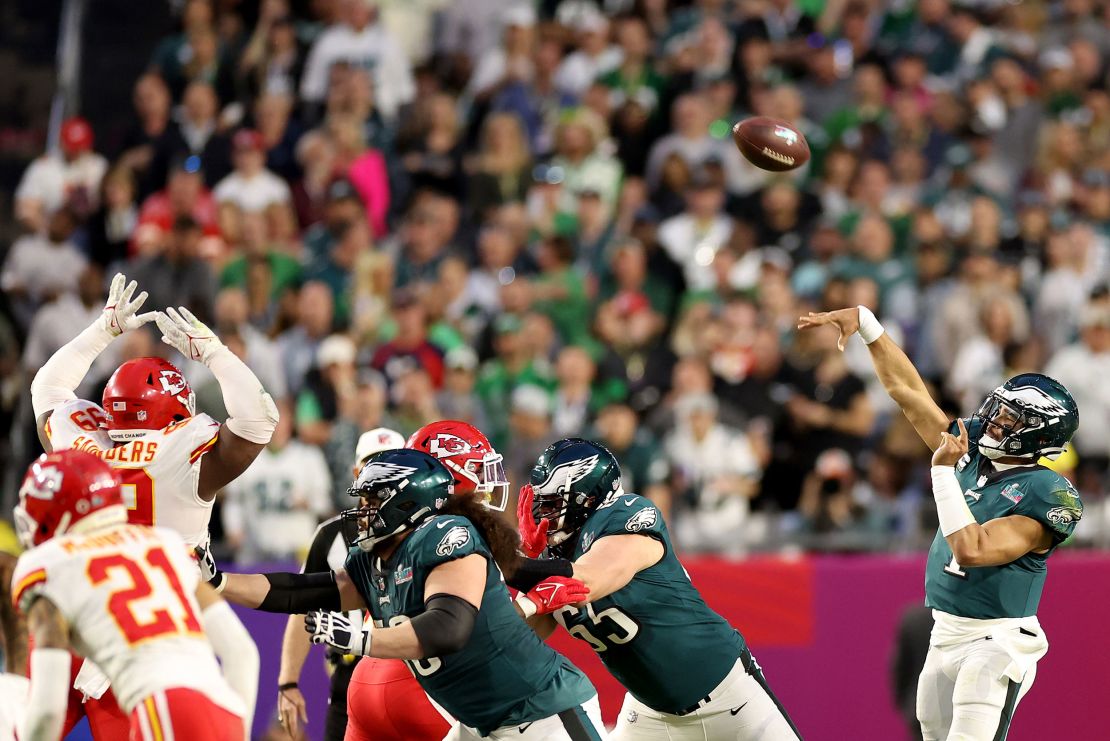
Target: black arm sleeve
294	594
445	625
532	571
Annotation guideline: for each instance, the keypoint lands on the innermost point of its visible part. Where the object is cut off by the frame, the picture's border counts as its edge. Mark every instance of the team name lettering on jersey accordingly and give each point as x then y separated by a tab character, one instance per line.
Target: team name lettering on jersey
135	451
86	445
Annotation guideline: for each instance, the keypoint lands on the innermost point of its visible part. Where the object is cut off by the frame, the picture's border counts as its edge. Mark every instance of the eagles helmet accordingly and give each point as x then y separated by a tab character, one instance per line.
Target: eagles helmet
1029	416
570	480
398	490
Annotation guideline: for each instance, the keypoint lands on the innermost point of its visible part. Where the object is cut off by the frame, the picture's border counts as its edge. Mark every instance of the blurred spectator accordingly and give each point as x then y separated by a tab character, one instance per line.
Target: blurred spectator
364	167
573	403
529	430
314	317
634	304
260	351
826	505
110	227
458	399
59	321
512	60
336	268
584	165
365	409
644	468
635	78
251	186
331	380
410	347
502	168
424	239
558	292
255	246
593	57
1083	368
178	275
40	267
271	510
196	131
715	472
692	141
693	237
152	101
272	61
66	179
512	365
359	40
183	197
979	367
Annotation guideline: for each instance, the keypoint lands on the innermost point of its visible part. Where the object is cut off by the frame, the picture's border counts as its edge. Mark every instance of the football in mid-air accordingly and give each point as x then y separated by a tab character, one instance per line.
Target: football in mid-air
771	144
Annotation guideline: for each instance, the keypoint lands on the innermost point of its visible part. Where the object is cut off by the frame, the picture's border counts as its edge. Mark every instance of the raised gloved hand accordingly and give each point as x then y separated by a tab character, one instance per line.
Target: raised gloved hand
336	629
188	335
551	594
121	312
533	535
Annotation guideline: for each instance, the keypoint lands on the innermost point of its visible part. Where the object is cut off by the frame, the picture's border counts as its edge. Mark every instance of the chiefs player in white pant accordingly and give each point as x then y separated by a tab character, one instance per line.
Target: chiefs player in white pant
126	596
171	461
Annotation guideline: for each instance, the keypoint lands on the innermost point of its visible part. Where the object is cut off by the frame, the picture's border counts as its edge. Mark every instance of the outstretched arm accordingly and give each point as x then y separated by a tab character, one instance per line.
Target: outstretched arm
895	371
252	415
612	561
46	702
56	380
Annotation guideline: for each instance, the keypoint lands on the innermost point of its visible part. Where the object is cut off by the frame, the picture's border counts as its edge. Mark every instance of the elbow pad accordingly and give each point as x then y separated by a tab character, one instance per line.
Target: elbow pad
445	625
532	571
295	594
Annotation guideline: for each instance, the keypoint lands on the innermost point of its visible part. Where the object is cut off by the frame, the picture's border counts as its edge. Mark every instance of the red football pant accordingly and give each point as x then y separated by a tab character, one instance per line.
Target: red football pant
385	703
183	715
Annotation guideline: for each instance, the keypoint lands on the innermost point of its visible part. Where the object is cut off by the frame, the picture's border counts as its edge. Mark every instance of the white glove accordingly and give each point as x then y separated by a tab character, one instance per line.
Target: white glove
337	630
188	335
207	565
121	312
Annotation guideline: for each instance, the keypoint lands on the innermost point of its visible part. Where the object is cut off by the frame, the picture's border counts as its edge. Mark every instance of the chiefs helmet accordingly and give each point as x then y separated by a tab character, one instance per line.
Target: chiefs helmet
468	455
146	394
67	491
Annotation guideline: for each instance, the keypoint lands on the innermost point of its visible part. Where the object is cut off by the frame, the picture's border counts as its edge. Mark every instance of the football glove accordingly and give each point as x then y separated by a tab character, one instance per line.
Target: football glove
207	565
338	630
551	594
533	535
121	312
187	334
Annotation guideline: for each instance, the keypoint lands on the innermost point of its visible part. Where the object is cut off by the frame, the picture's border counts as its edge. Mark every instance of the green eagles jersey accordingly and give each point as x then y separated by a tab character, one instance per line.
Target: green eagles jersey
1014	589
504	675
656	635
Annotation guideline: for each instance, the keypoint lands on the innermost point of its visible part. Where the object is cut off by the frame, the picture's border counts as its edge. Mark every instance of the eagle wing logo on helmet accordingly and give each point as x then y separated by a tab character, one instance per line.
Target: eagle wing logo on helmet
642	520
565	475
455	539
379	472
1036	400
445	444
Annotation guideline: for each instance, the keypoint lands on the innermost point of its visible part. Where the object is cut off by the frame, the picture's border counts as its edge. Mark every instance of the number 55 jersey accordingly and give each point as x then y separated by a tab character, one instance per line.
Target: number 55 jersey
160	470
127	593
656	635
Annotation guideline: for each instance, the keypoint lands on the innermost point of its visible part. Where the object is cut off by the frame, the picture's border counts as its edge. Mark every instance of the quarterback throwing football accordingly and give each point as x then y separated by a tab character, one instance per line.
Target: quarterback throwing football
1001	516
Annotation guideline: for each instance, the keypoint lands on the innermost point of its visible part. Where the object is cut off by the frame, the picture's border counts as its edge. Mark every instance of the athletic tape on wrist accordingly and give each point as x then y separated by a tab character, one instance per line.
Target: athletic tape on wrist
952	510
869	327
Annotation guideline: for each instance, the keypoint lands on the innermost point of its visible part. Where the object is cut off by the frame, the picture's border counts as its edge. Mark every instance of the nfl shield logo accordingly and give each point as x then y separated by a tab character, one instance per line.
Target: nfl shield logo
141	415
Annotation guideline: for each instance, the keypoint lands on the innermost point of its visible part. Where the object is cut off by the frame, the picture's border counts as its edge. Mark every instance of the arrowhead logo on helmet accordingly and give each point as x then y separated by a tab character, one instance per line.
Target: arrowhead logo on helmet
445	444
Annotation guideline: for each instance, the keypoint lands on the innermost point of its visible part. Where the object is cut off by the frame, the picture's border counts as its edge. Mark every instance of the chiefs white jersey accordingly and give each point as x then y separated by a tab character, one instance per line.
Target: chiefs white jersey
160	471
127	593
13	699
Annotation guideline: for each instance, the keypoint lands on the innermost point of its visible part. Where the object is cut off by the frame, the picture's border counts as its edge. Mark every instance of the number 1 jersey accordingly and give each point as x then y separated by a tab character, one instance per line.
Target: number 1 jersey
128	594
160	471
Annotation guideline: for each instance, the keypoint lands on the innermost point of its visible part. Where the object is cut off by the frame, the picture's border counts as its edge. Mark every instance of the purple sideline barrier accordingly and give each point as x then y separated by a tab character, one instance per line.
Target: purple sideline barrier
823	629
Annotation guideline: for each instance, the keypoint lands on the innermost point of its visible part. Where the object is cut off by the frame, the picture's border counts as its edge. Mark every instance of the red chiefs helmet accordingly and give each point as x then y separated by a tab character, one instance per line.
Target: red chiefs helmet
467	453
146	394
62	489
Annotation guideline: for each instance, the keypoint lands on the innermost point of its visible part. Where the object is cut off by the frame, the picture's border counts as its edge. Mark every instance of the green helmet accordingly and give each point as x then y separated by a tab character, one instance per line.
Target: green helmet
571	479
400	488
1029	416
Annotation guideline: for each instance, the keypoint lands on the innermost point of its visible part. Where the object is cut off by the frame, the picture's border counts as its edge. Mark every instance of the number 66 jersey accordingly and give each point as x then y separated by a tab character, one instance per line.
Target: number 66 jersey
159	471
127	593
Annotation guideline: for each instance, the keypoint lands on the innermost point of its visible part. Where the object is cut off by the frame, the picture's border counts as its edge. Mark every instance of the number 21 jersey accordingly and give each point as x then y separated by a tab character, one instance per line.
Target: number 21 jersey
127	593
160	471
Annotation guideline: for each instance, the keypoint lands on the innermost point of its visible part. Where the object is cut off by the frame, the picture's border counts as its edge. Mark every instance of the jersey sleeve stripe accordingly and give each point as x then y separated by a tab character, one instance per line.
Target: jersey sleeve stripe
46	428
38	576
204	448
152	715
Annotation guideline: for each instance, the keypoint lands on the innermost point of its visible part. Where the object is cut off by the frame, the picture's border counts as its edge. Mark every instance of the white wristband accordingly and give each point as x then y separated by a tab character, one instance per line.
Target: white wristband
952	510
869	327
527	606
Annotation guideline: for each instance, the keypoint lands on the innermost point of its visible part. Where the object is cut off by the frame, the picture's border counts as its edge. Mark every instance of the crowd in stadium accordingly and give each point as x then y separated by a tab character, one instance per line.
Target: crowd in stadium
531	216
